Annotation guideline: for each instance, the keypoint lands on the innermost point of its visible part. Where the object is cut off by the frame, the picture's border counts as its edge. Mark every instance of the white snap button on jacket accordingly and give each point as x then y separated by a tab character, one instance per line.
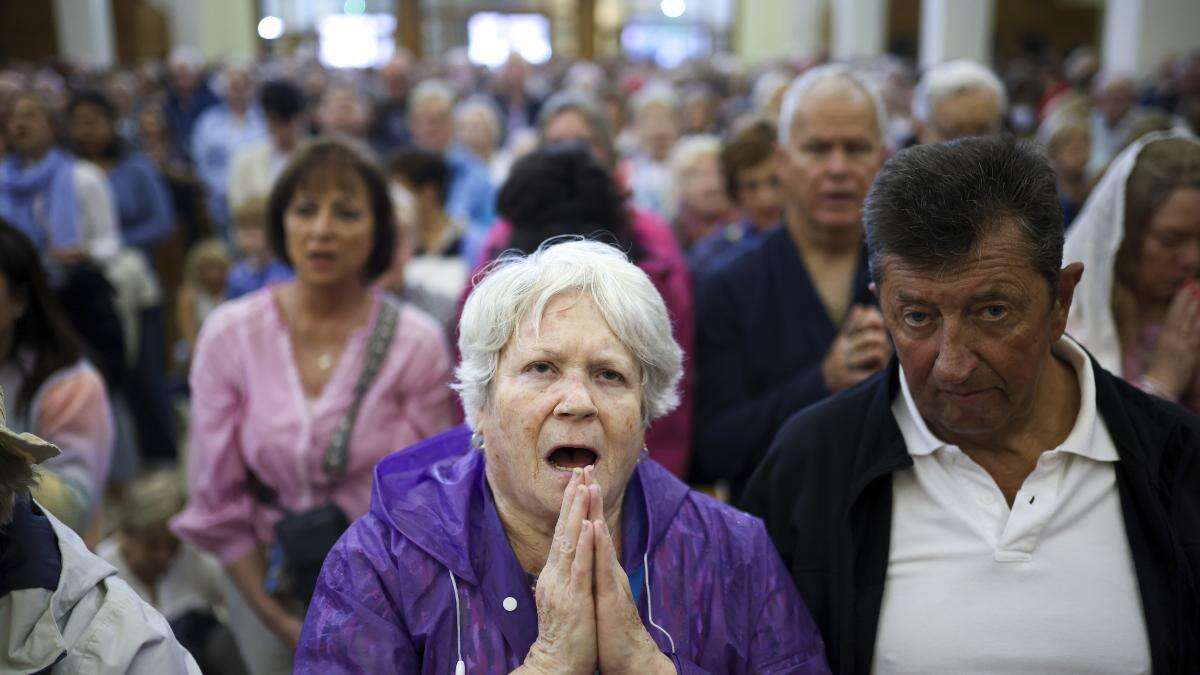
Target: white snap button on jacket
987	499
510	604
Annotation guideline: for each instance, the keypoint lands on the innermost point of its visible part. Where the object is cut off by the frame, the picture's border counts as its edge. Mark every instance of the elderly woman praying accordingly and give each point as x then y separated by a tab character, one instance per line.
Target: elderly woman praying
543	539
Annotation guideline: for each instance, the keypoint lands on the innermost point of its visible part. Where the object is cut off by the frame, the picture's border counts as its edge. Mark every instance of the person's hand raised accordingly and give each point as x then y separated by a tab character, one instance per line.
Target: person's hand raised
623	642
566	641
1172	366
860	349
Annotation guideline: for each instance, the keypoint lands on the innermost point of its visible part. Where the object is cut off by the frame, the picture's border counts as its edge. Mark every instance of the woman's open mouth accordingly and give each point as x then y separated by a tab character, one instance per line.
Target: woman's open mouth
568	458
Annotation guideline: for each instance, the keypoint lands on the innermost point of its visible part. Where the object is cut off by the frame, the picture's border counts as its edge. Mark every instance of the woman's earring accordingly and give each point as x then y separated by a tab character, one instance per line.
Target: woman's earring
477	441
644	454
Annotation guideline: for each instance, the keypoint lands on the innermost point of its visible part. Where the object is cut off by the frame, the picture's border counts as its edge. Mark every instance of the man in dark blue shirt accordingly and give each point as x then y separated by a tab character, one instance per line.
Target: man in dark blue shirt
787	321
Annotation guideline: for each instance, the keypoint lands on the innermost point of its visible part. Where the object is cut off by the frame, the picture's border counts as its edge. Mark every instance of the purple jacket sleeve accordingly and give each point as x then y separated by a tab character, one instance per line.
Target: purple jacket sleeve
786	639
352	624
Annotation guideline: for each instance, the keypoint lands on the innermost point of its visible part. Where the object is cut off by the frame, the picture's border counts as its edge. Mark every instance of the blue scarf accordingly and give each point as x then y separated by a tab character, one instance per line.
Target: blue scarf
53	180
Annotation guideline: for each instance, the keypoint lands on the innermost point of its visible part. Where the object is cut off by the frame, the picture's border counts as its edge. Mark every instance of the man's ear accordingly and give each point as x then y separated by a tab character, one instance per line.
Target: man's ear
1064	294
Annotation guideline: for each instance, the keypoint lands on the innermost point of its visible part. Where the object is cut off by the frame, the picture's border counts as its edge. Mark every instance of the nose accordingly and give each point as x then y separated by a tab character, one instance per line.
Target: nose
837	163
322	222
576	401
956	358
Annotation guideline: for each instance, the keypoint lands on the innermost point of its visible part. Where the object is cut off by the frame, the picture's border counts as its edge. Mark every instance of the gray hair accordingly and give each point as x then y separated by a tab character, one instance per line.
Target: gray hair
656	93
430	91
690	149
479	105
949	79
804	86
516	287
151	500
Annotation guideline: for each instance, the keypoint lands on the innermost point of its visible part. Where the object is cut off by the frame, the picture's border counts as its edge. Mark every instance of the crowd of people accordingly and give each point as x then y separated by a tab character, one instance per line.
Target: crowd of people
431	366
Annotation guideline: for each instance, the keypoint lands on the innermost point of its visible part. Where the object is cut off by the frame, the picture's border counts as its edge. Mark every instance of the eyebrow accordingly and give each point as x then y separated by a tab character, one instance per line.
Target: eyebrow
605	358
989	293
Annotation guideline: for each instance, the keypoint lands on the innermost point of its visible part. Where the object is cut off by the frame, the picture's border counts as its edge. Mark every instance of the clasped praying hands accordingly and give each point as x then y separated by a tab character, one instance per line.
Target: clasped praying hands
587	618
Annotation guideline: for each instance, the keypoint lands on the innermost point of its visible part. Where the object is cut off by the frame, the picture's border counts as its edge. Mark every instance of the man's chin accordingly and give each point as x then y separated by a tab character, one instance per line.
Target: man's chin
956	428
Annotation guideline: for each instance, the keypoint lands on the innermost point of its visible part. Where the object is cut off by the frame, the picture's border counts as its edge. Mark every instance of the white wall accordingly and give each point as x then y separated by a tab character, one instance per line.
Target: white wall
84	29
772	29
956	29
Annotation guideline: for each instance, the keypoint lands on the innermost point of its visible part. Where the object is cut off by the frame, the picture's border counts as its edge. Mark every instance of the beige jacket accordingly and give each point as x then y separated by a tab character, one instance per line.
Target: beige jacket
92	624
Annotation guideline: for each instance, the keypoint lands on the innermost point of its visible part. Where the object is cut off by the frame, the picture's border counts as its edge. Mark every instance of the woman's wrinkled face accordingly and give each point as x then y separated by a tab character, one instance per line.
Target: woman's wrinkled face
567	393
329	227
1170	250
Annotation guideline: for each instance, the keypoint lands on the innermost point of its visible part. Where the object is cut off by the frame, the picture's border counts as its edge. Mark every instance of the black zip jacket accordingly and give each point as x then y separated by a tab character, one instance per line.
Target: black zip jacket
825	492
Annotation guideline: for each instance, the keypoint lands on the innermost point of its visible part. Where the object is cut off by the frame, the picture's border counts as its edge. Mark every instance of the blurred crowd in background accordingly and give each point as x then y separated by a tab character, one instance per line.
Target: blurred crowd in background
145	193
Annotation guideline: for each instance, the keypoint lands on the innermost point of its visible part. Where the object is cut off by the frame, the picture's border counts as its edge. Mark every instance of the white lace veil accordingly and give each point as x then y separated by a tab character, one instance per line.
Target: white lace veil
1093	240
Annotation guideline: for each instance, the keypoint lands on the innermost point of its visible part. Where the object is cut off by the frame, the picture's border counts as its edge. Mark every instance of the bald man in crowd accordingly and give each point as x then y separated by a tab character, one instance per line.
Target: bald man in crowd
958	99
789	320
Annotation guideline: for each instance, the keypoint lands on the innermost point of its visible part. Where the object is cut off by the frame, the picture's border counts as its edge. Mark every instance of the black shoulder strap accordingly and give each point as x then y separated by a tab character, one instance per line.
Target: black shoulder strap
381	340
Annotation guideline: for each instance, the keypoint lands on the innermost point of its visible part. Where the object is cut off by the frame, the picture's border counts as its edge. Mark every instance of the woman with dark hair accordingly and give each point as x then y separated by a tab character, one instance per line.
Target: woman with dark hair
1137	308
298	389
144	207
559	190
564	189
146	218
53	392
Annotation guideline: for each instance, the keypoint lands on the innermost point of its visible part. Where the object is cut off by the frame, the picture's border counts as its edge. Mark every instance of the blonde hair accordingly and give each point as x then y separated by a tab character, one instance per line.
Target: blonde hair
151	500
207	252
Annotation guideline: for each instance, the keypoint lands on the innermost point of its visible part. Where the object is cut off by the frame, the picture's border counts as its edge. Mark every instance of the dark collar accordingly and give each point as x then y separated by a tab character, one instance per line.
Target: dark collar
881	448
29	555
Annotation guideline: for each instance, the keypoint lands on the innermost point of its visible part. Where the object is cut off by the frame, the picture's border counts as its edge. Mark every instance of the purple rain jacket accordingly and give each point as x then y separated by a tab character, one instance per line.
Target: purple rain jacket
432	552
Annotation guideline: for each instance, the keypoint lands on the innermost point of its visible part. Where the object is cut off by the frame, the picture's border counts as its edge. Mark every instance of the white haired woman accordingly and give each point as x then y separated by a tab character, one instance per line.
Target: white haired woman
555	545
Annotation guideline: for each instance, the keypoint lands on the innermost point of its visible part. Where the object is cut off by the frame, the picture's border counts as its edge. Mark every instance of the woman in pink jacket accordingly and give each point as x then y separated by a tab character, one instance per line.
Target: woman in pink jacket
299	389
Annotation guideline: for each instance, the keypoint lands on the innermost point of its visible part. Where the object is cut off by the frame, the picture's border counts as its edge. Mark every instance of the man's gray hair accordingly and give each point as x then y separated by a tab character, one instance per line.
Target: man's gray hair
950	79
430	91
804	85
516	287
482	106
655	93
16	478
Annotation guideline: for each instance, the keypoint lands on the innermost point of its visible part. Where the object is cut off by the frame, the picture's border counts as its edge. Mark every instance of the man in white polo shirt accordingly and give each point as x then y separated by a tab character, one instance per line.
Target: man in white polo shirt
994	501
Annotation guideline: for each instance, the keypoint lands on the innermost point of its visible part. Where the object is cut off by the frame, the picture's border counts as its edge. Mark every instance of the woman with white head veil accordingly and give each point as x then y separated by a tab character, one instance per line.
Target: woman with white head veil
1137	308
